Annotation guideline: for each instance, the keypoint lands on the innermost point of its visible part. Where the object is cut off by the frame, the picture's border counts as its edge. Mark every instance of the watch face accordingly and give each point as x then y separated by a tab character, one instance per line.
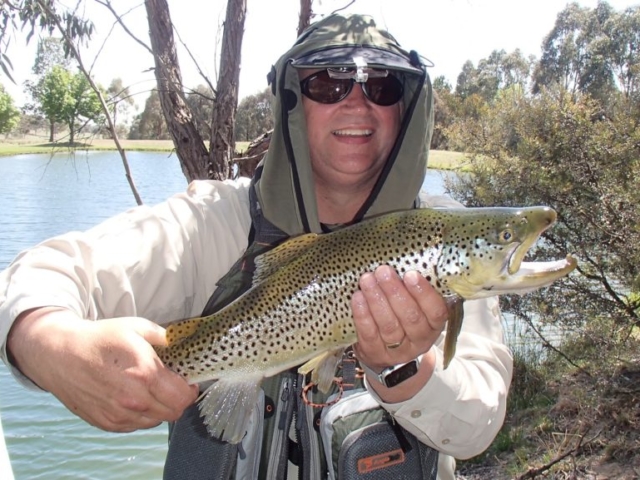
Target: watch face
401	374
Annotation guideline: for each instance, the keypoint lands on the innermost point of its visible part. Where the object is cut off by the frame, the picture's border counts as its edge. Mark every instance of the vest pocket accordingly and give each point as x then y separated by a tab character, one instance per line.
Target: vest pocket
362	441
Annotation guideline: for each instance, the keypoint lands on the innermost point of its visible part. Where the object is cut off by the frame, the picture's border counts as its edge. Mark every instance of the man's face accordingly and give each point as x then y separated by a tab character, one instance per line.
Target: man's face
349	141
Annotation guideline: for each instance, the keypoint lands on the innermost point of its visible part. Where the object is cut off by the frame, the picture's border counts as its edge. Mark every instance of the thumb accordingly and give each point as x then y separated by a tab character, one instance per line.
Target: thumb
151	332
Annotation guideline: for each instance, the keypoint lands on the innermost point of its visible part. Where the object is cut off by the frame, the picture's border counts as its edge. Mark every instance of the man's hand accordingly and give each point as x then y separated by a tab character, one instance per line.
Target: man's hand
397	320
106	371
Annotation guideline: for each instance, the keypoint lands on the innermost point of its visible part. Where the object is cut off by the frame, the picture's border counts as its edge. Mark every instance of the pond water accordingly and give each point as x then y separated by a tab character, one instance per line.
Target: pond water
41	197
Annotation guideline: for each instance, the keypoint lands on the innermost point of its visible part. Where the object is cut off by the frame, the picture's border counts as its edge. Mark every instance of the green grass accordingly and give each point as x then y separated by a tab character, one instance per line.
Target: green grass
438	159
19	148
445	160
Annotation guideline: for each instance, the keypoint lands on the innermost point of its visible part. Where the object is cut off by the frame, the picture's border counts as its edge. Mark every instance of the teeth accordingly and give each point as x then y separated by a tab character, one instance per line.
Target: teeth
353	133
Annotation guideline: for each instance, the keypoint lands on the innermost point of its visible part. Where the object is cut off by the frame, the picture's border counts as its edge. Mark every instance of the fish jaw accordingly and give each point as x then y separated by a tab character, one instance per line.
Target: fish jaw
502	270
529	277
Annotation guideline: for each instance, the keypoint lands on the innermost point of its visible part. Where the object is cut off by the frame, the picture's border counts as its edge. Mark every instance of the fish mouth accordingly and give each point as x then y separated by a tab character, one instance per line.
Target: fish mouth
521	277
537	274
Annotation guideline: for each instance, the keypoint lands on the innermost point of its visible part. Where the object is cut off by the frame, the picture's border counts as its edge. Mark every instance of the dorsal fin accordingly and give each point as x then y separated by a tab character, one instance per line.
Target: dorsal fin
275	259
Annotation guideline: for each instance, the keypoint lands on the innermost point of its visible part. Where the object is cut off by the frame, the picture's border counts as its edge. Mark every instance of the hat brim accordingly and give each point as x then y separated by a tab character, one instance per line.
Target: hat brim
344	57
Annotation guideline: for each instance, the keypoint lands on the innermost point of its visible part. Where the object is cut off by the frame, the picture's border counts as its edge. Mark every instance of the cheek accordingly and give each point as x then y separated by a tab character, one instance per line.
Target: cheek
393	118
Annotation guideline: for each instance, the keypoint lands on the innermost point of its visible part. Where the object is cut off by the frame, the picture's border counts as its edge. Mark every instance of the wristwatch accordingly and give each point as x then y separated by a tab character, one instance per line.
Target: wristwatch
396	374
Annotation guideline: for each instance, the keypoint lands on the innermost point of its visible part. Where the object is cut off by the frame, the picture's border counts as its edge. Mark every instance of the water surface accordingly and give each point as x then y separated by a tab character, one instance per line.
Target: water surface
41	197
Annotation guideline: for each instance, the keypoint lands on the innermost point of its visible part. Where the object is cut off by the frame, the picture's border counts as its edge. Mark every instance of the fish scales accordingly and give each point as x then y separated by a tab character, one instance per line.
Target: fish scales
298	309
305	307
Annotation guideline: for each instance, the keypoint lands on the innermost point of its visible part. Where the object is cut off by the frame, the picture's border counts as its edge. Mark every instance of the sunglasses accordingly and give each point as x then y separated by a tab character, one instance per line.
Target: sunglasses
329	87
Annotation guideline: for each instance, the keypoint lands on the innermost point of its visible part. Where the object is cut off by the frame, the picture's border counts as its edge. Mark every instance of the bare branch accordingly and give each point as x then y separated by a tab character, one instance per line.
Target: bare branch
534	472
107	4
550	346
346	6
195	62
306	13
111	126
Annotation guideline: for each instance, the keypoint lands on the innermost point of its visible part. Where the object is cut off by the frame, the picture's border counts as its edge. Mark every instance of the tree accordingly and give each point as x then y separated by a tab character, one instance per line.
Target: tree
445	106
557	149
150	124
37	15
30	123
67	98
588	50
624	31
9	114
499	70
201	101
254	116
196	160
49	54
119	99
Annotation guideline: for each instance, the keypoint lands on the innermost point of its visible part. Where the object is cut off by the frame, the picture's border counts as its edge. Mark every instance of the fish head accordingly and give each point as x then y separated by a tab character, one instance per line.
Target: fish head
484	249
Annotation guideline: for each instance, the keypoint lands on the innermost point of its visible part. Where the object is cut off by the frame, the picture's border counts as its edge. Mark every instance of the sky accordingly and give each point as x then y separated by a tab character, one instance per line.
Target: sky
447	32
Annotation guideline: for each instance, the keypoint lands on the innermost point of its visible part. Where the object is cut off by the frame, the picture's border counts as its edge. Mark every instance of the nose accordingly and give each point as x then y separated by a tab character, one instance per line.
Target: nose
356	96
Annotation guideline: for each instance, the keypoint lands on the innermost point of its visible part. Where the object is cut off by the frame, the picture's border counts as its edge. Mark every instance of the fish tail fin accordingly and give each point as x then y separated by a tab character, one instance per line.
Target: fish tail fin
227	405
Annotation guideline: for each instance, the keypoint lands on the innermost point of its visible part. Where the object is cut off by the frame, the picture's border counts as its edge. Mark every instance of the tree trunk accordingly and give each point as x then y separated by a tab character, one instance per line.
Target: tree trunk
224	112
52	131
72	133
304	20
190	147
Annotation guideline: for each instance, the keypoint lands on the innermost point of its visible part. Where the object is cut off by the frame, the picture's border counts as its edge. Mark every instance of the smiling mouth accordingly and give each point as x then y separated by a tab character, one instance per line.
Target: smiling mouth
353	133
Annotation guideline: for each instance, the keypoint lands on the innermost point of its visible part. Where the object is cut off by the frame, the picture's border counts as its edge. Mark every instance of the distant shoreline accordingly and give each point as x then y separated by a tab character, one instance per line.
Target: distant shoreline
438	159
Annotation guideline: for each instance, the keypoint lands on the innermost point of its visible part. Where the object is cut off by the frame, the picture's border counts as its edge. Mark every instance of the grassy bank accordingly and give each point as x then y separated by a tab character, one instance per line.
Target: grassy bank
438	159
569	421
14	147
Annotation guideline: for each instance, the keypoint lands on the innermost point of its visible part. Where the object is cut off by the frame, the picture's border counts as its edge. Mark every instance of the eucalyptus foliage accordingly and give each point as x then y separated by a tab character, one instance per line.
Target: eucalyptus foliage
68	98
9	114
32	16
562	150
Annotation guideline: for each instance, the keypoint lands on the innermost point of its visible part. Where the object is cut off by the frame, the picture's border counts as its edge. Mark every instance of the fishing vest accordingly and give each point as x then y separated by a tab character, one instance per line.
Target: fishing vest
344	435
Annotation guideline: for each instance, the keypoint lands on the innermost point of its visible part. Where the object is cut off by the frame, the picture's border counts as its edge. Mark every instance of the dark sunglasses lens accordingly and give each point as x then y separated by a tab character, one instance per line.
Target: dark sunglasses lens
384	91
324	89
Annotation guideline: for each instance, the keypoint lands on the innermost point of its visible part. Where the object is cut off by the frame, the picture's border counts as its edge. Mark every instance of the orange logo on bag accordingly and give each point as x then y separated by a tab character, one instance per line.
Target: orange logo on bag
383	460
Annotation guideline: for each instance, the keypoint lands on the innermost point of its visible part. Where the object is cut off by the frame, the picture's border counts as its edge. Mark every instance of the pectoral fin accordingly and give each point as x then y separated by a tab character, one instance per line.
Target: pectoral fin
323	368
454	324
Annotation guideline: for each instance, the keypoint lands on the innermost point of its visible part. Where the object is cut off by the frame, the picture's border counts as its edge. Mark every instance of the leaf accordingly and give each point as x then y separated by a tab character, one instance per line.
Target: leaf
7	60
6	71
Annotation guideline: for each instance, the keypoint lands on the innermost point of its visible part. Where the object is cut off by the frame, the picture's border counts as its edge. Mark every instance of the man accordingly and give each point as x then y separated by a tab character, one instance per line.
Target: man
353	123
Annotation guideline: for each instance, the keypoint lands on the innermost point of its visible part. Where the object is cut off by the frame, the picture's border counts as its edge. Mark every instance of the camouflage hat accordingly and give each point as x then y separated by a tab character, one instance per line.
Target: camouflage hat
285	188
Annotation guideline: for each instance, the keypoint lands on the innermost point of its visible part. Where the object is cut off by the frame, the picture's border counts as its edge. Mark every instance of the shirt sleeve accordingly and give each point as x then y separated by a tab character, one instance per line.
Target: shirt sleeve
461	409
159	262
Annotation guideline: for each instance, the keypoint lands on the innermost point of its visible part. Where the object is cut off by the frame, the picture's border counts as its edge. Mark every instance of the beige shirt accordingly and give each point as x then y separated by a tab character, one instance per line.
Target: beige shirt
163	262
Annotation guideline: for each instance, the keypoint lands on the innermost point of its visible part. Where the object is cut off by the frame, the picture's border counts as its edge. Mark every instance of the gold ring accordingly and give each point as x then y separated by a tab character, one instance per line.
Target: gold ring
391	346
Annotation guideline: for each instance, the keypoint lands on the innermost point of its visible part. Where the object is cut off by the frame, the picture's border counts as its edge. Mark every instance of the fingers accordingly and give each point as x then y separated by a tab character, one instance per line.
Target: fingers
380	303
172	394
151	332
396	320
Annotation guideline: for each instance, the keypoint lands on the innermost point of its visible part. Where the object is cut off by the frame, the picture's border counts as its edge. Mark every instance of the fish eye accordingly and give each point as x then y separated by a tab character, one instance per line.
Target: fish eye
506	235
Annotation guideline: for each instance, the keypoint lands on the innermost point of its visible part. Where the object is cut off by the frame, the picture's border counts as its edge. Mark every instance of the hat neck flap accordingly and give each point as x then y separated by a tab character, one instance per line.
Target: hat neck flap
286	190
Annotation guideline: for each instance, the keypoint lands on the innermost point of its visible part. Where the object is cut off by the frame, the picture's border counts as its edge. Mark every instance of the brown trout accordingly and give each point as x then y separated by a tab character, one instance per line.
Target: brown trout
298	308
